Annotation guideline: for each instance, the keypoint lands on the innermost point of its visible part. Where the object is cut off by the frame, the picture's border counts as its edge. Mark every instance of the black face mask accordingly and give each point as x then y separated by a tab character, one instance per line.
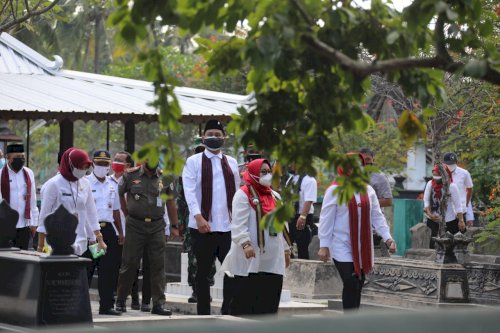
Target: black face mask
17	163
213	143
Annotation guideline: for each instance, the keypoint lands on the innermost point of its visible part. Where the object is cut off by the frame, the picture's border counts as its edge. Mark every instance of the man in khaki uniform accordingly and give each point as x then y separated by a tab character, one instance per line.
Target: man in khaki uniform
144	209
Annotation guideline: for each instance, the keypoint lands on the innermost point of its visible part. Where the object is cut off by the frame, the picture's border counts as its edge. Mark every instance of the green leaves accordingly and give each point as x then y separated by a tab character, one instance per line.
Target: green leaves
411	127
476	68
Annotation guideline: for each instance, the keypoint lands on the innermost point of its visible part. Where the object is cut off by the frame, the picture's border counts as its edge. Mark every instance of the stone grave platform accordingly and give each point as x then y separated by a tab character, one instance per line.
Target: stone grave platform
415	283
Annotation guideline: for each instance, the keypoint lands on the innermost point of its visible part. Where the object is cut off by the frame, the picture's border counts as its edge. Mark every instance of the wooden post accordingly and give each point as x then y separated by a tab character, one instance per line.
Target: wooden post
130	136
65	134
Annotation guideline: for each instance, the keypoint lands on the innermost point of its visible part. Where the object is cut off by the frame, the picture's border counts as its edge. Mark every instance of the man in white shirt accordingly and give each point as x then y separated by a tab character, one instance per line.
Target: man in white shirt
18	189
303	223
107	203
210	180
463	180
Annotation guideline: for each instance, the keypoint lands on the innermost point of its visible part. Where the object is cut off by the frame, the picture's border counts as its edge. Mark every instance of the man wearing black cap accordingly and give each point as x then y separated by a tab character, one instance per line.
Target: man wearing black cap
463	180
210	180
107	203
18	189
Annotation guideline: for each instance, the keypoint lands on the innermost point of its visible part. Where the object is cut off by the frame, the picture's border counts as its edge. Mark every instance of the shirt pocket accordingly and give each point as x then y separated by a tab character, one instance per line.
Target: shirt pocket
68	200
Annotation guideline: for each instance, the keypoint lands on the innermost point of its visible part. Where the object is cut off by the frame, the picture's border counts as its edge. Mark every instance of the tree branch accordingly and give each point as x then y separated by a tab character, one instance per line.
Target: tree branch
362	69
29	15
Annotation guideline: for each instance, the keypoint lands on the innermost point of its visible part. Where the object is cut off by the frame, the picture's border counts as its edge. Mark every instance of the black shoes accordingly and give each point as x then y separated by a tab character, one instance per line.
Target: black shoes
120	306
145	307
135	306
193	298
110	312
159	310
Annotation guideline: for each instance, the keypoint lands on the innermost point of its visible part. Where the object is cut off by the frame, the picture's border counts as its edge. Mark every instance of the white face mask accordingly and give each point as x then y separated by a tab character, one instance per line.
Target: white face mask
78	173
266	180
437	177
452	167
101	171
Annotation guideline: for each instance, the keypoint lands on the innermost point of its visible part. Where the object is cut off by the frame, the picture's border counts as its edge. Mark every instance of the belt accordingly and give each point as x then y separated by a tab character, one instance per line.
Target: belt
145	219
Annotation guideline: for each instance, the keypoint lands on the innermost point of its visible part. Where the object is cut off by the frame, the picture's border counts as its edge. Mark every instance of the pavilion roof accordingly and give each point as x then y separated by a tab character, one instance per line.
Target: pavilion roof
32	86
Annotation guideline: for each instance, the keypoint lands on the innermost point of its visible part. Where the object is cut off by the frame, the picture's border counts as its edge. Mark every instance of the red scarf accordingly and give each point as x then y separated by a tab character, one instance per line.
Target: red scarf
264	192
437	186
207	185
6	190
362	263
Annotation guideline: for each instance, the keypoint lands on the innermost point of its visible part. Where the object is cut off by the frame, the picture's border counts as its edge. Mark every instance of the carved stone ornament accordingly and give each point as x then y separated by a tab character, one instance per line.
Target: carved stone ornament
61	226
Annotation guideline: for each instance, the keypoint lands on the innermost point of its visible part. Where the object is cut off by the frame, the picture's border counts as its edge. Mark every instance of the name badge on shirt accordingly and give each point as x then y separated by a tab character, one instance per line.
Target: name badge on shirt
158	202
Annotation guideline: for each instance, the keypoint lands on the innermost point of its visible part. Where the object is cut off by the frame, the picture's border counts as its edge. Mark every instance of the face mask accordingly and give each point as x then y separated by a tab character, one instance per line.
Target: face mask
452	167
213	142
78	173
266	180
17	164
101	171
437	177
2	162
118	167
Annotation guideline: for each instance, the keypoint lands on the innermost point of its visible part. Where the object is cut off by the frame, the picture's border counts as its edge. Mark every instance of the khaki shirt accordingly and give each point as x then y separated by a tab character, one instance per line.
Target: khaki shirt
144	199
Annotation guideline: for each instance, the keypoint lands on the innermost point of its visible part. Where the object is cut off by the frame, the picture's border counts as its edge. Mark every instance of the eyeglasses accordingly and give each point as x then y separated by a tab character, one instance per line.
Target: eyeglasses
265	171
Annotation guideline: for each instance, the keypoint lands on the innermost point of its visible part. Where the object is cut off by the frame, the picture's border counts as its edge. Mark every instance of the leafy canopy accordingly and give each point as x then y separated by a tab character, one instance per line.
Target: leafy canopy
310	63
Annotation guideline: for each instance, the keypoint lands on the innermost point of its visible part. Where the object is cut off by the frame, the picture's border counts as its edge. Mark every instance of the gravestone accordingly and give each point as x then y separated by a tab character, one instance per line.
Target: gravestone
420	236
8	222
312	279
314	248
39	289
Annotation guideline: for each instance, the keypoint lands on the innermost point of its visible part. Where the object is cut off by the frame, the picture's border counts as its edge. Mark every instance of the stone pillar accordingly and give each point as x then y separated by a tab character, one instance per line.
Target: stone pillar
416	168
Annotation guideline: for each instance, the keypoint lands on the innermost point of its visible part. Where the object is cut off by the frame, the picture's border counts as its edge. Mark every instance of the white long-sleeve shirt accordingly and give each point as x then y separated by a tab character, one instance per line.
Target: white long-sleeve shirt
243	229
308	191
18	193
334	231
454	202
191	180
77	198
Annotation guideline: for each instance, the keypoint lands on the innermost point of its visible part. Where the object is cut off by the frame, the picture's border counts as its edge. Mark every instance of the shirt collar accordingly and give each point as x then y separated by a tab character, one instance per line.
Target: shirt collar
93	179
209	154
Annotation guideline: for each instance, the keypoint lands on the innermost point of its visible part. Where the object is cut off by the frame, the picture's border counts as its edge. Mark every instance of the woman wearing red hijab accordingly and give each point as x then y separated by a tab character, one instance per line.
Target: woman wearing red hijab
433	196
345	235
258	257
72	190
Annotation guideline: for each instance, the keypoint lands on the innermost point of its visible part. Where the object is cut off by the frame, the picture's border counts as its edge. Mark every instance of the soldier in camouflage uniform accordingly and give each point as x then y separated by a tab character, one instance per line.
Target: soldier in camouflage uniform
183	215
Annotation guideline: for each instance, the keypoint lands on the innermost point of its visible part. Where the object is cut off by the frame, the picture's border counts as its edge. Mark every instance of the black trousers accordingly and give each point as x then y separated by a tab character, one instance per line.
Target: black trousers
22	239
206	248
451	226
351	292
302	237
108	266
256	294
